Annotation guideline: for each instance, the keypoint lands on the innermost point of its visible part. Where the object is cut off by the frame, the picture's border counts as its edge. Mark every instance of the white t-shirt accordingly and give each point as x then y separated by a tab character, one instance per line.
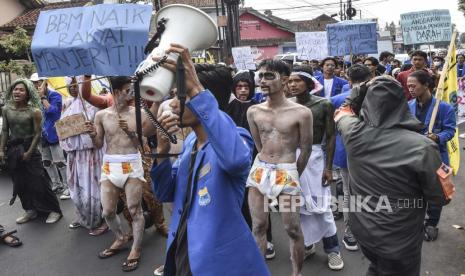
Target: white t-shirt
328	87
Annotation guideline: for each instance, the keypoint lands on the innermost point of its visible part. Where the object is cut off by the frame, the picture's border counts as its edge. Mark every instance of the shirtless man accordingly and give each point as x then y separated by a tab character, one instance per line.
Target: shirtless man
122	168
317	220
279	127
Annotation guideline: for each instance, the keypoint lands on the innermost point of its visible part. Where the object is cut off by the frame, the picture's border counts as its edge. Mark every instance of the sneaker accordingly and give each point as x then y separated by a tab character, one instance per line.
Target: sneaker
53	217
270	253
350	243
27	216
65	195
309	250
431	233
335	261
159	271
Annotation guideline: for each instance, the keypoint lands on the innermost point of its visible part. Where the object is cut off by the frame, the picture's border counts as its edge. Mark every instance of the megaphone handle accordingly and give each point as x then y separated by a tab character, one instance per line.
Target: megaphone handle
181	87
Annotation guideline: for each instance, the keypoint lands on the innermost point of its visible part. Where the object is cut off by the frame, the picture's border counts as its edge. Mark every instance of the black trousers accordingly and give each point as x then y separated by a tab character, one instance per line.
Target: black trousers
391	267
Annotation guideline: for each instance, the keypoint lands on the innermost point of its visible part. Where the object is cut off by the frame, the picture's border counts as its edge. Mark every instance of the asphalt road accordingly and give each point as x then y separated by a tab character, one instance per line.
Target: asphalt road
51	250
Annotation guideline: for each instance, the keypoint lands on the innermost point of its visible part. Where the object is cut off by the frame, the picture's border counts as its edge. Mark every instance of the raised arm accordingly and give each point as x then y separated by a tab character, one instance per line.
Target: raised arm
306	138
253	127
101	102
54	106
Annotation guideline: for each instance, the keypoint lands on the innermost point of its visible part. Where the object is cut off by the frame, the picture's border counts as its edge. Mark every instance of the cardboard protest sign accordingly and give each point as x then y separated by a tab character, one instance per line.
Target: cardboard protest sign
71	126
311	45
426	26
106	40
243	58
352	38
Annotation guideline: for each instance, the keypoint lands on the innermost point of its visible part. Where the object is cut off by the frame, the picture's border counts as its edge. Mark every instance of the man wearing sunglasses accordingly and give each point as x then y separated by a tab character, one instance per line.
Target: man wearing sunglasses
279	127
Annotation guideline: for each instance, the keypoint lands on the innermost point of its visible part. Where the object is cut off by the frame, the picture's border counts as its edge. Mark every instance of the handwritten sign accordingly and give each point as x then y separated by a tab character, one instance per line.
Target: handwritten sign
243	58
71	126
352	38
106	40
311	45
426	26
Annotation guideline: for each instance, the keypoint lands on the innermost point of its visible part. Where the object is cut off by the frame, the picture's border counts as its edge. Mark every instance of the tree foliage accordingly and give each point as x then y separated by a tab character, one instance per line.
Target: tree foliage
17	43
462	6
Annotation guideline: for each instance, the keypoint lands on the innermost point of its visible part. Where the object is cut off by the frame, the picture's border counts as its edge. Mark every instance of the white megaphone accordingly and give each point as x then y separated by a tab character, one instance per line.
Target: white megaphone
185	25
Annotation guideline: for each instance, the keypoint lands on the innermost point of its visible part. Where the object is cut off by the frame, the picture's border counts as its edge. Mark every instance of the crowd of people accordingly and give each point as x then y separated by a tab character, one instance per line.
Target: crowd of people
250	143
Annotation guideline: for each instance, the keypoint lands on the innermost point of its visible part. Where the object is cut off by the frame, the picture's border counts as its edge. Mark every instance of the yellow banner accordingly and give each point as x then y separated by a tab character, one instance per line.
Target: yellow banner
450	96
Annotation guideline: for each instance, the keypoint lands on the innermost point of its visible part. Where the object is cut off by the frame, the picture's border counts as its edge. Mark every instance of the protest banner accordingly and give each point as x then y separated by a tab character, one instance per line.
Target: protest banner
311	45
104	40
426	26
243	58
352	38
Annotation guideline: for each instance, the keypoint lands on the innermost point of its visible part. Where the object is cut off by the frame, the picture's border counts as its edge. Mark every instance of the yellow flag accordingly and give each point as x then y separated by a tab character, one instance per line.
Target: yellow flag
57	82
450	96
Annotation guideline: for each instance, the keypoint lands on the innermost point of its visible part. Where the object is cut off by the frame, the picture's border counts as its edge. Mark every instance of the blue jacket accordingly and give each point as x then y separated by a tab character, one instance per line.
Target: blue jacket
219	240
51	116
444	126
340	156
338	83
346	88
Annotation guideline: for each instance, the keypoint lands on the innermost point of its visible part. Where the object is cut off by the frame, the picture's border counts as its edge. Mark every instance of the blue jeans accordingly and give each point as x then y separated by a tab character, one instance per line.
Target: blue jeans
331	244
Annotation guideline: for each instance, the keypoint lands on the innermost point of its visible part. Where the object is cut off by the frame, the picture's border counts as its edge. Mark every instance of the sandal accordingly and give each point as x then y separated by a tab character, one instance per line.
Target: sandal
109	252
130	264
14	242
102	229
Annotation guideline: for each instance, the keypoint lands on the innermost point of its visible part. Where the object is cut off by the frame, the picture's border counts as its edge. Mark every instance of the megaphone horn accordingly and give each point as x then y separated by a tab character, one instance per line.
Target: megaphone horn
184	25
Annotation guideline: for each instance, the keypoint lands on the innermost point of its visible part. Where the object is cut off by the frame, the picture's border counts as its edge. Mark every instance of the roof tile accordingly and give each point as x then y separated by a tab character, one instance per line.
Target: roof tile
30	16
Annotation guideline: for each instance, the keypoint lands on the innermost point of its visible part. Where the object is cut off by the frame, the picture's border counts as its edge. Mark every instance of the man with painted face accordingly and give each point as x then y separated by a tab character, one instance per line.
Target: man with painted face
208	233
279	127
316	218
241	99
122	168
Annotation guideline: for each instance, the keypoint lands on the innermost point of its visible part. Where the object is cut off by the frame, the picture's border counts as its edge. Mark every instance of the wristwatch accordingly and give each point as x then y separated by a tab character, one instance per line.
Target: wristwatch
43	98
